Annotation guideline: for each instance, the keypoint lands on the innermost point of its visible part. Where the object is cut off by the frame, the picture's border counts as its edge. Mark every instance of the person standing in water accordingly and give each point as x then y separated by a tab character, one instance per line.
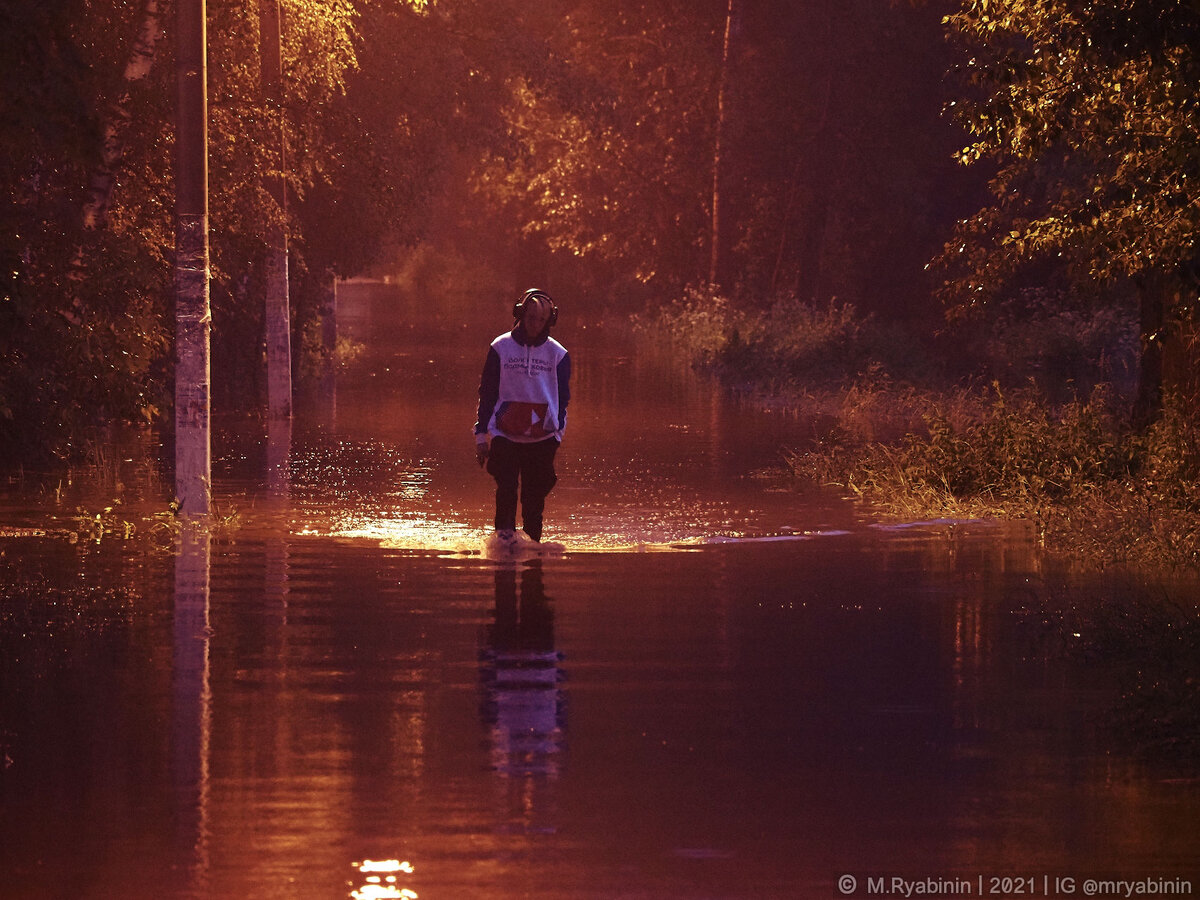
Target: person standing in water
523	395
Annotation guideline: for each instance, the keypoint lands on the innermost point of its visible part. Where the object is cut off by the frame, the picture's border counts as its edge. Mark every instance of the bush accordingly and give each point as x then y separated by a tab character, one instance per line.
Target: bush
1019	450
786	344
1074	464
1041	334
699	325
1168	455
799	341
1094	487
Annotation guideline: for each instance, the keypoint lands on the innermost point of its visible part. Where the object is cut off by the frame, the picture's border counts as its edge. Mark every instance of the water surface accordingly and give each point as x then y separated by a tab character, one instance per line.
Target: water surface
718	688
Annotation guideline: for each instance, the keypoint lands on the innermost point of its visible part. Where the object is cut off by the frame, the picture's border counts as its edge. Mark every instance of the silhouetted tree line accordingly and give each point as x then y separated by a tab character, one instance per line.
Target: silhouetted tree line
836	174
1088	113
85	313
574	142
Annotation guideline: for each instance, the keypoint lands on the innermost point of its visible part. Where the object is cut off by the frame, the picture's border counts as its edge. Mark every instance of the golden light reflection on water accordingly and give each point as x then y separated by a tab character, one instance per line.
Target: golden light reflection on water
380	880
437	535
373	491
431	534
409	533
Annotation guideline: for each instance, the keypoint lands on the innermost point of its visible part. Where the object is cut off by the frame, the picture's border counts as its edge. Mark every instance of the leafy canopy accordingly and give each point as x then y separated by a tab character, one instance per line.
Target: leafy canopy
1088	109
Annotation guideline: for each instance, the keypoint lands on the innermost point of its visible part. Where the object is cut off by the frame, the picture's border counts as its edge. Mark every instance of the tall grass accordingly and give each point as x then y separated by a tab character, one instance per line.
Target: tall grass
783	343
898	433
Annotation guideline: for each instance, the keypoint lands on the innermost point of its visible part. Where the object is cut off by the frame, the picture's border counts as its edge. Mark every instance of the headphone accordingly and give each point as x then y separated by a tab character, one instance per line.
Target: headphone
528	297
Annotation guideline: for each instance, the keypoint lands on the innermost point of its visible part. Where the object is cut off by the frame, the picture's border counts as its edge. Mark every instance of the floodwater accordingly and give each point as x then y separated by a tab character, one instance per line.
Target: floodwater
718	688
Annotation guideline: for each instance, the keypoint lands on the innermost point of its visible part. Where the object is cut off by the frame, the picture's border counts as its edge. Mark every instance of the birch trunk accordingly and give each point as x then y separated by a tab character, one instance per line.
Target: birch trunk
715	241
100	186
277	311
193	323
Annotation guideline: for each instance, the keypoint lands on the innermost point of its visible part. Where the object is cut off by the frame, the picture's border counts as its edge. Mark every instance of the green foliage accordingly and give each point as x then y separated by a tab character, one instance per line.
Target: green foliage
1008	451
95	527
382	149
1093	486
804	340
830	138
79	347
700	324
1059	341
317	360
841	182
1018	450
608	151
1088	113
1168	457
787	343
86	315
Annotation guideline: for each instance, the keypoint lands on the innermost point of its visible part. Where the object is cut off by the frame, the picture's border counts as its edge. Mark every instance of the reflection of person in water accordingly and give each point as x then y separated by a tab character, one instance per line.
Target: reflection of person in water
523	395
523	705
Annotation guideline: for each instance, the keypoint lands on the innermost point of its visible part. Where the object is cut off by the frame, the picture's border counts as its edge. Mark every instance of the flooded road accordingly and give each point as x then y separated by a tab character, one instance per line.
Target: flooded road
718	689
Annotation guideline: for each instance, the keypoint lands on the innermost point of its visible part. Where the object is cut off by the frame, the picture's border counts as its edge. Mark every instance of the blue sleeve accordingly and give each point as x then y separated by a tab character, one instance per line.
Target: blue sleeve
489	390
564	389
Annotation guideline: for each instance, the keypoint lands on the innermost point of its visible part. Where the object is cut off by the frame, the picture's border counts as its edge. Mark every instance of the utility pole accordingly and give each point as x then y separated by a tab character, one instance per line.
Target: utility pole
193	321
277	310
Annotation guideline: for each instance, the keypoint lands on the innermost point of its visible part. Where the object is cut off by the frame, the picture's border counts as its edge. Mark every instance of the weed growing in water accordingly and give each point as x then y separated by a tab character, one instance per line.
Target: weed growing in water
916	447
1092	484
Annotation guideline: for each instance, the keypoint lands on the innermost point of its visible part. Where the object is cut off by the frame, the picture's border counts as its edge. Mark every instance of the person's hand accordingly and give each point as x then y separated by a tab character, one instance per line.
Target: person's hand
481	453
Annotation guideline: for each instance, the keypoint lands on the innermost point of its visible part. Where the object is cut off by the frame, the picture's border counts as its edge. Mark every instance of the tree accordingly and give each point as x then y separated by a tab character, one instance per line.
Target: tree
406	104
833	177
1088	111
841	182
141	59
75	354
609	151
714	250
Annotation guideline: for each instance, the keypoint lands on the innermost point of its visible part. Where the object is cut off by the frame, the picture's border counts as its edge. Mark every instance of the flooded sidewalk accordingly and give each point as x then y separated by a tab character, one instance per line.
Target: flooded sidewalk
256	719
717	688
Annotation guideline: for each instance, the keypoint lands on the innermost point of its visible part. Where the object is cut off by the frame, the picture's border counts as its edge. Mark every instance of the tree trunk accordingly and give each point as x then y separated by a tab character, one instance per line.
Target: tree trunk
1152	299
100	186
809	187
814	228
329	331
329	340
714	259
277	311
193	323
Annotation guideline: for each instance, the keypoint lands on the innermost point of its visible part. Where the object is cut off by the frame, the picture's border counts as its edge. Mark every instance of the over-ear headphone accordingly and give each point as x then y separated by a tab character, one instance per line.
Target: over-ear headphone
536	294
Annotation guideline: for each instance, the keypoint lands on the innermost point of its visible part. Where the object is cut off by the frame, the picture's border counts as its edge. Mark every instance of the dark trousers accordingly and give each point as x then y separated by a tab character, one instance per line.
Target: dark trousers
527	471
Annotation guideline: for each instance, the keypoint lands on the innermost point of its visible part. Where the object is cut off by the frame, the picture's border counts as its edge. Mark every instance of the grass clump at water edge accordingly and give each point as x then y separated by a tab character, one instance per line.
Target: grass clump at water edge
897	432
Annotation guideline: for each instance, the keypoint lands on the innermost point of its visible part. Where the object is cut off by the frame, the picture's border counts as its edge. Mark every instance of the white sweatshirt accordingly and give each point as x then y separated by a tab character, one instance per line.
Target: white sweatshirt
524	389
